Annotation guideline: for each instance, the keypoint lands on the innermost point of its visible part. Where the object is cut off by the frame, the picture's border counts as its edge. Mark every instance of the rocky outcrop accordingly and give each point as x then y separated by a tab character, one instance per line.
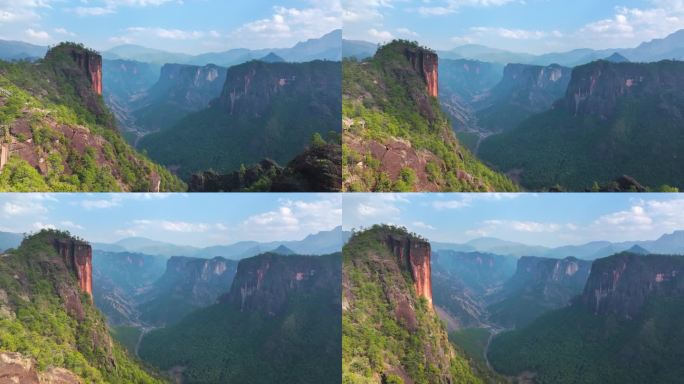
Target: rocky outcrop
317	169
598	87
78	257
523	91
251	88
622	284
413	255
532	86
200	282
17	369
190	87
265	283
91	64
569	271
426	63
539	285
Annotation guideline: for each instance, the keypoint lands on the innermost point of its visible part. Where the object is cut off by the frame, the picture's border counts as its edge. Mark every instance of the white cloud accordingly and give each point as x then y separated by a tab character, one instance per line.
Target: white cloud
422	225
39	225
37	35
499	227
164	33
93	11
100	203
70	224
290	24
451	6
355	11
64	31
111	6
25	205
515	34
458	201
406	32
115	199
380	36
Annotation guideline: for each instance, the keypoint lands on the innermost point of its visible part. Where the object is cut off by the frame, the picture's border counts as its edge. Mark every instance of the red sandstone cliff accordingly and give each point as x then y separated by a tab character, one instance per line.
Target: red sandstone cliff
78	257
414	255
427	64
91	64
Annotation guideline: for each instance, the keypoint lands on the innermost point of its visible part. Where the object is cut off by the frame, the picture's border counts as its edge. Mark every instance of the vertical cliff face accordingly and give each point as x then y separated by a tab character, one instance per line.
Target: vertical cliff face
427	64
622	284
195	281
78	257
539	285
251	88
91	64
266	283
597	88
386	273
413	255
187	87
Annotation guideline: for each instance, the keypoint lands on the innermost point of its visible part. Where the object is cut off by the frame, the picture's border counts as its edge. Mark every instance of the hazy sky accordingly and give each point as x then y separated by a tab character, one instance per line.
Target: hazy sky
188	26
186	219
535	219
533	26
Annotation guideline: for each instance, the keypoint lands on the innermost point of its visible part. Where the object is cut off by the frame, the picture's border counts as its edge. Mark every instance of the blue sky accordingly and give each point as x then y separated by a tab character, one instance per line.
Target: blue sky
188	26
534	26
196	219
535	219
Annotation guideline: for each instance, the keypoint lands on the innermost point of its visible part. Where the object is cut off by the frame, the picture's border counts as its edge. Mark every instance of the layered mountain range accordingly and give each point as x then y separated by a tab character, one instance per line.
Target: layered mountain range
670	47
670	243
326	47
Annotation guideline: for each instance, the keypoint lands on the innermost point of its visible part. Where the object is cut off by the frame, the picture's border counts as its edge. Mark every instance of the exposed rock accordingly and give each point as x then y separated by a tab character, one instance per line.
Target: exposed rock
16	369
266	282
426	63
596	88
539	285
413	254
523	91
622	284
199	281
78	257
91	64
250	87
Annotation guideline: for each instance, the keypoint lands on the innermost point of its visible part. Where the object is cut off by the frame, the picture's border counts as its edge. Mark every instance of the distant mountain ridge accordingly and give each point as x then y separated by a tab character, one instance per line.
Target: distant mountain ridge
670	47
326	47
320	243
672	243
